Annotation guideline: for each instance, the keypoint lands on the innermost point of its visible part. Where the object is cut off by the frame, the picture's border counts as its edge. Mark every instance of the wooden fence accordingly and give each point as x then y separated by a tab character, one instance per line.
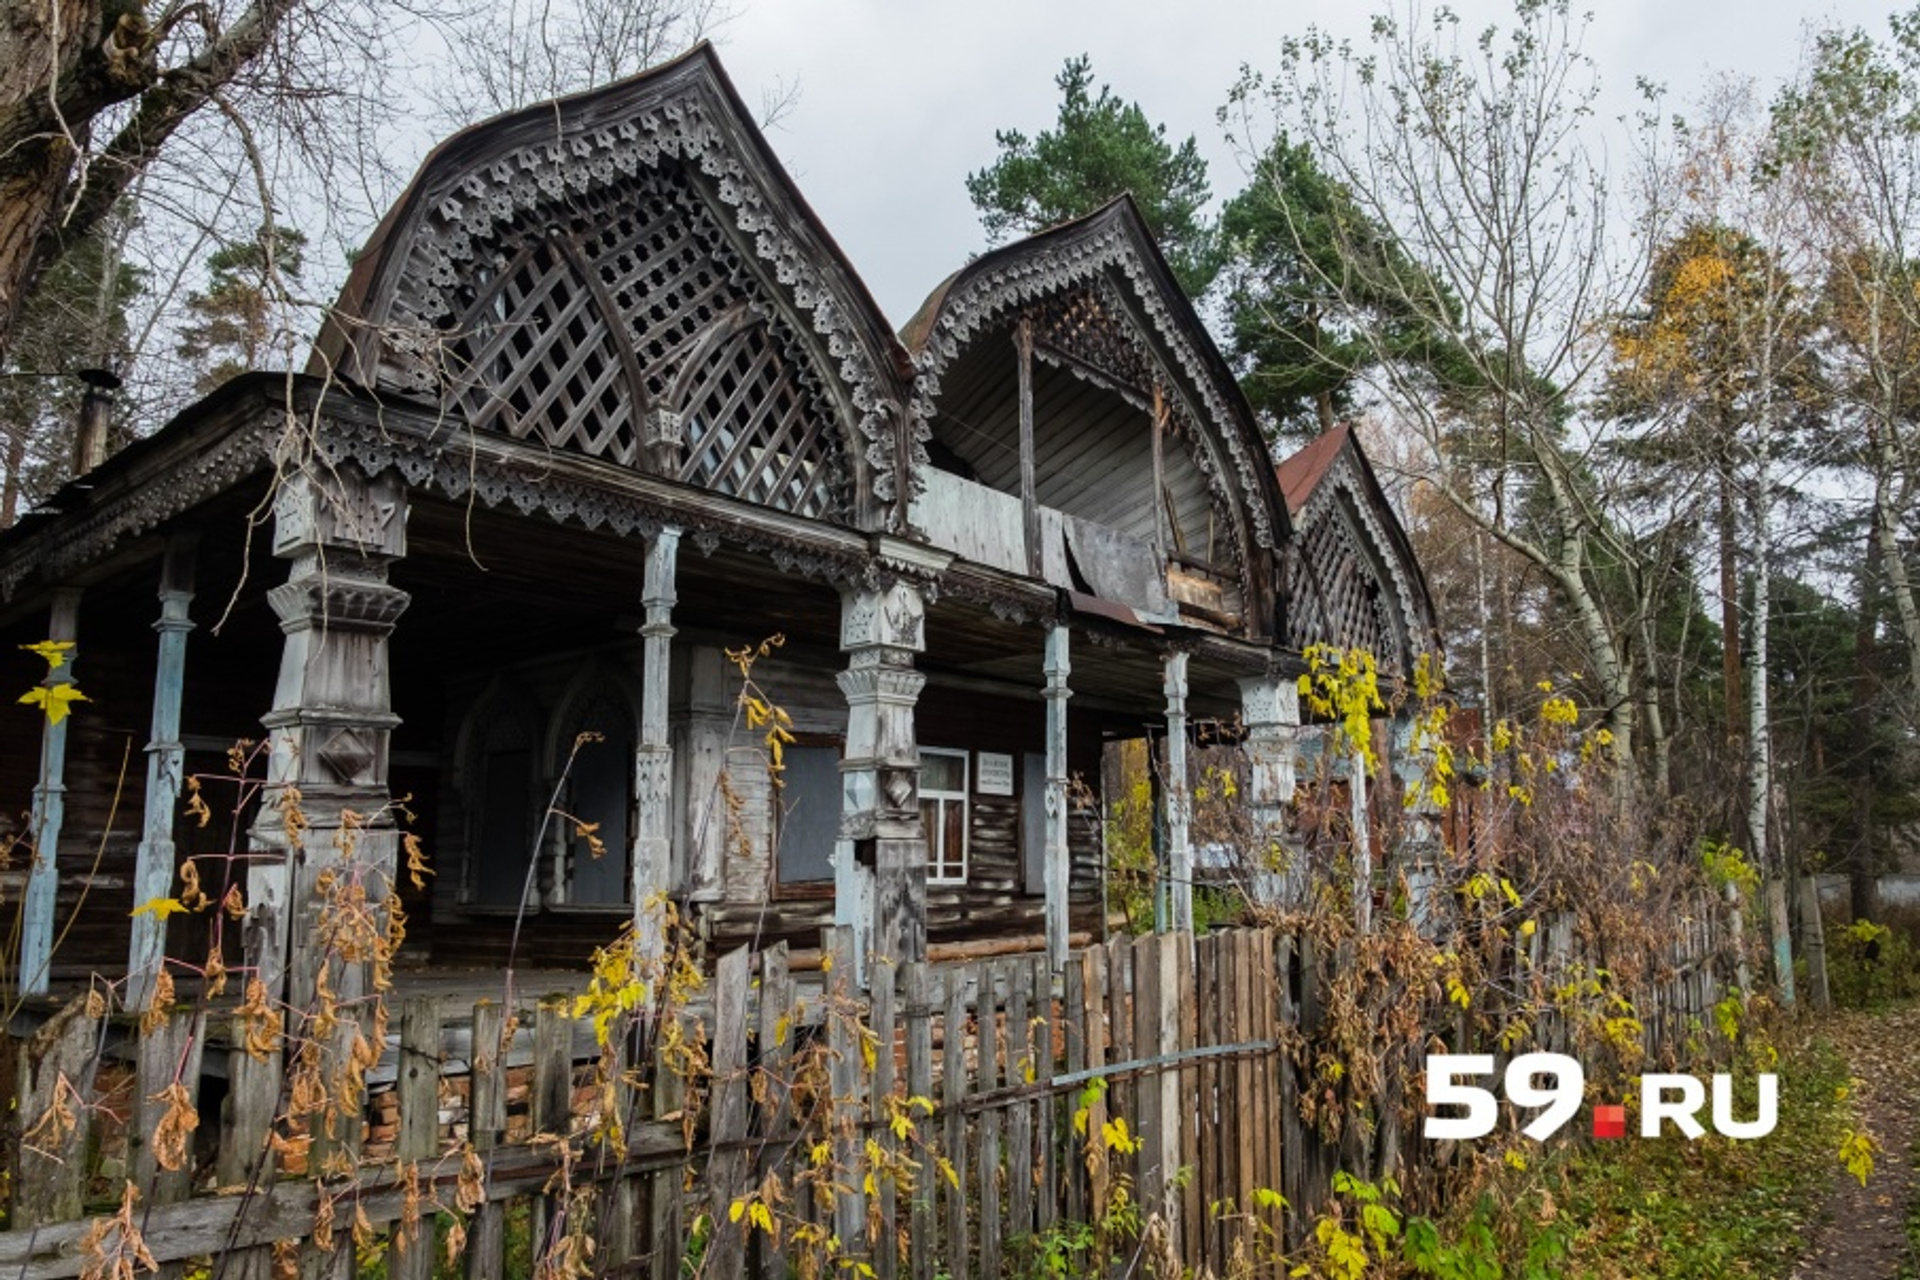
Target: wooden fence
951	1121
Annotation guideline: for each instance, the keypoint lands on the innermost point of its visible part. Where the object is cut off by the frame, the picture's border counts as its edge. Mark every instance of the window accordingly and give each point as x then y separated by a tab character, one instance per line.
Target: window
503	846
943	813
808	811
600	795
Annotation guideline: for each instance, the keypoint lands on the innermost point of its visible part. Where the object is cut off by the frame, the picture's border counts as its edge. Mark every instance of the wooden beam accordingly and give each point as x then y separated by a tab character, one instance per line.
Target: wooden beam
1179	805
1029	502
154	864
49	805
1058	855
653	755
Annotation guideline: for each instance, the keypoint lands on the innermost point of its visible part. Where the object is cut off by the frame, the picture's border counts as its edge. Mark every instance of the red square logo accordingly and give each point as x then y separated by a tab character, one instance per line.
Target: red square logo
1609	1122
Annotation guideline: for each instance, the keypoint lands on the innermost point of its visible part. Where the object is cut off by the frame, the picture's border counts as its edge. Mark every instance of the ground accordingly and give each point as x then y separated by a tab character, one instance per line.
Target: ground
1864	1230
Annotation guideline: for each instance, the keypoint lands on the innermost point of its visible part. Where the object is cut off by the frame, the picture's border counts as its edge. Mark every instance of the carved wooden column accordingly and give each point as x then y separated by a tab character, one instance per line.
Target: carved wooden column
1417	852
1178	802
1058	858
1270	711
166	766
330	725
880	862
653	763
49	807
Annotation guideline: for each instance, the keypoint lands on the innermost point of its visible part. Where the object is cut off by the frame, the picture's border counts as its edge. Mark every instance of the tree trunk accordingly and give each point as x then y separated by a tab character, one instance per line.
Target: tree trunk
1732	676
10	488
1862	863
1886	530
1613	673
43	113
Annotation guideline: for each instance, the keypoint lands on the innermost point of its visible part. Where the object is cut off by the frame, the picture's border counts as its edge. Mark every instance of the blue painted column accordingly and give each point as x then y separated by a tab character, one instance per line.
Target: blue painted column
49	810
166	768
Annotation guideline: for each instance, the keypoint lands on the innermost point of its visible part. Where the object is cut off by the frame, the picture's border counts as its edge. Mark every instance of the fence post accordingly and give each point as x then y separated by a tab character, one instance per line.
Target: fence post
486	1128
418	1083
726	1250
921	1241
775	1064
56	1067
843	1074
551	1103
986	1078
953	1091
883	977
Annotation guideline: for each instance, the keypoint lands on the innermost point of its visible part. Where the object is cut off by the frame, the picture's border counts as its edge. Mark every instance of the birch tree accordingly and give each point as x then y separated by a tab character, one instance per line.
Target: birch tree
1847	134
1470	147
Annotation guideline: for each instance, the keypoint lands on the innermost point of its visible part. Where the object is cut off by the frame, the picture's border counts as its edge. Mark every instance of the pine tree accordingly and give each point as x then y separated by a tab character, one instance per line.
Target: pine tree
1100	148
236	320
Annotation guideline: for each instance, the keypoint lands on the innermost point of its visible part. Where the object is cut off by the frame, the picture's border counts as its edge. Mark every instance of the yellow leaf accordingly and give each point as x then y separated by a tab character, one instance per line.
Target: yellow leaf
736	1211
54	651
159	908
55	701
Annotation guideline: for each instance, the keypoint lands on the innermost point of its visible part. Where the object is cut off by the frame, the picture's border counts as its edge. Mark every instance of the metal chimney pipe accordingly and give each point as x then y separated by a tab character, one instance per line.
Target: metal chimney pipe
96	408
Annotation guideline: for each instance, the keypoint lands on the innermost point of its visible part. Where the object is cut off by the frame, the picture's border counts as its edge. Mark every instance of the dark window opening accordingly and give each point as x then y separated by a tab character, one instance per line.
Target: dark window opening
808	817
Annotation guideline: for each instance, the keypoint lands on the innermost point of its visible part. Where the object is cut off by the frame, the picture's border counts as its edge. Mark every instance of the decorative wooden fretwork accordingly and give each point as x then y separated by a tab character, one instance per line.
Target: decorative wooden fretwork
1086	330
1343	581
1089	332
1104	252
630	307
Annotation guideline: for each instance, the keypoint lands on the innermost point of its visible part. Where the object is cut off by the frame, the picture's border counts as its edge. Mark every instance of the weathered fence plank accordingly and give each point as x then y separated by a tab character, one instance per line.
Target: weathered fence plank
727	1170
419	1136
486	1129
953	1091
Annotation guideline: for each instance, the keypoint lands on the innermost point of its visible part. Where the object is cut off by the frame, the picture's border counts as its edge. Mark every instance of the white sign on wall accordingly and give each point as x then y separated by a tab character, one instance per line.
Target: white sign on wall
993	773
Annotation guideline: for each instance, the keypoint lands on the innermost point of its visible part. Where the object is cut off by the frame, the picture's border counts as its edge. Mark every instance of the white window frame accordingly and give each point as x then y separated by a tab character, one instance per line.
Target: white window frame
941	868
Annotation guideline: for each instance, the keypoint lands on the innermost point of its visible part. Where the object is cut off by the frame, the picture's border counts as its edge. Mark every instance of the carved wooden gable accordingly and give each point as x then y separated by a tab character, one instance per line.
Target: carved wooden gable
1351	580
1100	309
627	276
630	329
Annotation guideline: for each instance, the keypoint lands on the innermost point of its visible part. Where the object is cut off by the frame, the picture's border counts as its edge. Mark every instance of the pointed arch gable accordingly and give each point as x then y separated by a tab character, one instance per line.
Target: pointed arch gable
1106	313
630	274
1351	578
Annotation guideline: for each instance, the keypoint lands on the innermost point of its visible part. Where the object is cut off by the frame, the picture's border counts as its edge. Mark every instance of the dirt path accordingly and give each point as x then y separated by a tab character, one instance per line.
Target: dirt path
1863	1234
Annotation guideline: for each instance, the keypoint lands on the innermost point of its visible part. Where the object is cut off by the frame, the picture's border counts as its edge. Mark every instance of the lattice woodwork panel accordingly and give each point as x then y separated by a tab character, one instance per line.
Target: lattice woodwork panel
1090	326
1335	596
747	430
538	361
636	297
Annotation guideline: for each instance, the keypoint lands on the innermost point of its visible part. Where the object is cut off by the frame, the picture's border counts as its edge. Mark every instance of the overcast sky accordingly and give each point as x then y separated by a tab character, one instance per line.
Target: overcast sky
899	99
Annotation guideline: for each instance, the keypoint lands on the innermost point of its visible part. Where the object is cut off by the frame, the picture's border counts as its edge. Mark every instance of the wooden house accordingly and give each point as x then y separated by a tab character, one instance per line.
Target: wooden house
601	402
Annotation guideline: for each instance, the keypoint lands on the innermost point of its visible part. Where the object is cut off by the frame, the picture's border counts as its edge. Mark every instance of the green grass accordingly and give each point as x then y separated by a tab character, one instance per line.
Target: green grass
1666	1208
1669	1208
